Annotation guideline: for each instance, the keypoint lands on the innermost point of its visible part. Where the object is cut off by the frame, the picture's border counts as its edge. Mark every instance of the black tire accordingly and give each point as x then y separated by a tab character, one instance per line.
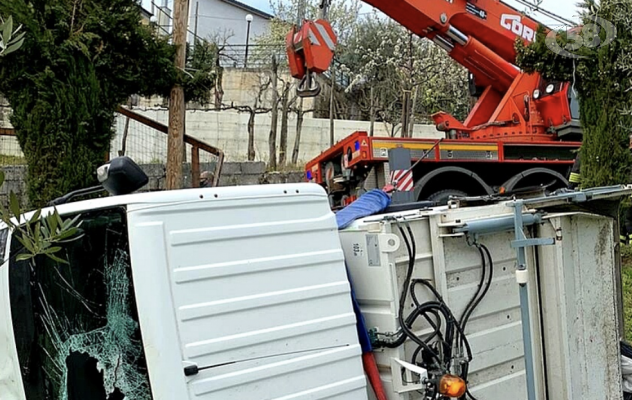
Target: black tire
441	197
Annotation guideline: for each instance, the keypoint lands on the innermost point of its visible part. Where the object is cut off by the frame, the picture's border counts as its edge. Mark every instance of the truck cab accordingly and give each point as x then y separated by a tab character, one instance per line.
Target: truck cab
218	293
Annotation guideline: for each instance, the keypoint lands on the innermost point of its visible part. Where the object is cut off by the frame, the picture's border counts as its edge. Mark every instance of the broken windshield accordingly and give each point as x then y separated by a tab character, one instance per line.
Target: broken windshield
76	324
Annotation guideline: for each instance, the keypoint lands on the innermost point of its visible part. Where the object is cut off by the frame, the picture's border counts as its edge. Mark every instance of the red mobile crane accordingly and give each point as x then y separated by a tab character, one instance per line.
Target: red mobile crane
522	131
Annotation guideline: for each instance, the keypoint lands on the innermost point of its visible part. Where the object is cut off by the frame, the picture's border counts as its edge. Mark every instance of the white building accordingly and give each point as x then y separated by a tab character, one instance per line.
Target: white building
229	20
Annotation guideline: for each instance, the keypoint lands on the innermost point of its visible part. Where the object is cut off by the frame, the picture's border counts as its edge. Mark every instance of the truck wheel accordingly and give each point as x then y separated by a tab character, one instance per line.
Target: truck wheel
331	171
441	197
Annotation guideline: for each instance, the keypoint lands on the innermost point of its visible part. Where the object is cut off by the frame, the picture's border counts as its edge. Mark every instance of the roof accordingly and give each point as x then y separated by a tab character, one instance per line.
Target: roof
248	8
145	13
138	201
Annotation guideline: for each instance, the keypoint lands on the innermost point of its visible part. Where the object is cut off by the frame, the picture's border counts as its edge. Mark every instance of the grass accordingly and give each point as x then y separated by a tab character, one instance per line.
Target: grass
11	160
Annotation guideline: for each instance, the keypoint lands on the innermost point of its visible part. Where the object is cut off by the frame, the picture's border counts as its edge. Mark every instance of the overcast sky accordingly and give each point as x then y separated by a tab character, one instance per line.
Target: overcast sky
565	8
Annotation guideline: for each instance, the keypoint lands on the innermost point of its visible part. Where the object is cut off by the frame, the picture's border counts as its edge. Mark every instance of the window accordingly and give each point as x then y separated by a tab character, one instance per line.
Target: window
76	325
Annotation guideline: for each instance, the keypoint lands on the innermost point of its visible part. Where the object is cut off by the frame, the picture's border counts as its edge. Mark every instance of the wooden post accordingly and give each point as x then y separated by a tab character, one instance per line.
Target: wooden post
332	136
175	149
195	166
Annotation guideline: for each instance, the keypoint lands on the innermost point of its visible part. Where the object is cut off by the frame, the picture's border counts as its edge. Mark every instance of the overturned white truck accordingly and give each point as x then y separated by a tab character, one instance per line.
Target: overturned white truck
243	293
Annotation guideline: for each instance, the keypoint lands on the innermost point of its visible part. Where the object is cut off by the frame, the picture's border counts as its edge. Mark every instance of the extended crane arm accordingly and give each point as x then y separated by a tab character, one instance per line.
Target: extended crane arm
478	34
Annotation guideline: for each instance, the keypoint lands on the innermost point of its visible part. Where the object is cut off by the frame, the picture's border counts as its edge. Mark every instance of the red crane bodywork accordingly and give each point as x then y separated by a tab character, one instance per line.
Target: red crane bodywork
512	106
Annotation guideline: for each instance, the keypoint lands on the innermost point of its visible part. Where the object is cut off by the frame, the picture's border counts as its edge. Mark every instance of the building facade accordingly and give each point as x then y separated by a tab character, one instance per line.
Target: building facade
230	20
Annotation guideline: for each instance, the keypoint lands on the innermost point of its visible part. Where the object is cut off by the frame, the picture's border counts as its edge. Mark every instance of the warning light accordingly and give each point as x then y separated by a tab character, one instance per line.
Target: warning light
452	386
357	145
309	175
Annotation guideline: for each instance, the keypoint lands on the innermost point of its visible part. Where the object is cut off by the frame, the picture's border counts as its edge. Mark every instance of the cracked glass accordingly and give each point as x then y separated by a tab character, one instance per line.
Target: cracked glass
76	325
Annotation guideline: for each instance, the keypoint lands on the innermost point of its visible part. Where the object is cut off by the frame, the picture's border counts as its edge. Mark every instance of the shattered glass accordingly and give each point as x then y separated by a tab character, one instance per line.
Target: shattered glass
76	325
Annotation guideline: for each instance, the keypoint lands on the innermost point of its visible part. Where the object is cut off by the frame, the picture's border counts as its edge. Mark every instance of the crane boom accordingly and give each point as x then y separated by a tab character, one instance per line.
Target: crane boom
481	36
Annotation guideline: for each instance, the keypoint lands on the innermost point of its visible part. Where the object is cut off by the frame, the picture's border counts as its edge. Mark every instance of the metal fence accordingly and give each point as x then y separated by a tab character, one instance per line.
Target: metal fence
143	140
10	151
259	56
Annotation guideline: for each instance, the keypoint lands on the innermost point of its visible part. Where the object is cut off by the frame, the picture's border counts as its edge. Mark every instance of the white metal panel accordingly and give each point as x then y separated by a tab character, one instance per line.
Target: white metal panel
579	308
258	292
11	387
494	330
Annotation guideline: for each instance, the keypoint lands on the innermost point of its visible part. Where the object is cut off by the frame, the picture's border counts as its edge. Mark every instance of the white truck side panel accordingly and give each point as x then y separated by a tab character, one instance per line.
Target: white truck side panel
579	312
252	284
454	268
10	375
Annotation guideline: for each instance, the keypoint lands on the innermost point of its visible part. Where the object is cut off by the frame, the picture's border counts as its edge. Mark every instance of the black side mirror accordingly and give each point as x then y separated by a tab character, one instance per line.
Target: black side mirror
121	176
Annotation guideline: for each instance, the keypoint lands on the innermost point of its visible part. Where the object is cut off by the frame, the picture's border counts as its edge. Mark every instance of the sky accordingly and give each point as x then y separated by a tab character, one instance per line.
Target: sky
565	8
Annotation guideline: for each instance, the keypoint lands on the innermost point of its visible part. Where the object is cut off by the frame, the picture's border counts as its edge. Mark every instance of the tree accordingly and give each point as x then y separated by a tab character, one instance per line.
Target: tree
10	40
274	79
80	60
391	66
342	14
40	235
597	59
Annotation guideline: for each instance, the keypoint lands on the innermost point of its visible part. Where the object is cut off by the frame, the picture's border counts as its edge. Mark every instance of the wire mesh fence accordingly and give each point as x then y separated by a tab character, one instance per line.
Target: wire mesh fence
142	143
10	151
145	141
251	56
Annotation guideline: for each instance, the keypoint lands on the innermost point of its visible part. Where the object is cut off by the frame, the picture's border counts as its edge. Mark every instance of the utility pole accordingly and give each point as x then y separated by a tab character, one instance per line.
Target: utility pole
332	99
197	15
249	19
177	110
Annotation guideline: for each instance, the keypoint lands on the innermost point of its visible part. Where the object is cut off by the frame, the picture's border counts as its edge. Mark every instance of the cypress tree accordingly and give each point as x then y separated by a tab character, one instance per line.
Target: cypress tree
80	60
602	80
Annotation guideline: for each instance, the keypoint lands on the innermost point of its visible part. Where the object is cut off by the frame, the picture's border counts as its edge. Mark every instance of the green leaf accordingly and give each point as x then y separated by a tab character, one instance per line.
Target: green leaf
17	38
24	257
55	258
70	232
37	238
36	216
13	47
52	250
8	29
45	231
53	222
1	178
70	222
14	205
26	242
60	221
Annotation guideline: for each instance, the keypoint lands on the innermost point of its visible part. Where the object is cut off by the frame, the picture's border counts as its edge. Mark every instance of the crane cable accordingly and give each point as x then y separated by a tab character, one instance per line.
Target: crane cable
547	13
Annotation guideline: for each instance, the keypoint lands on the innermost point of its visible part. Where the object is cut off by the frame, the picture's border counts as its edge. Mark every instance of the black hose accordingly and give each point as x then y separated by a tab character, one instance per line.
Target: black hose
470	304
477	300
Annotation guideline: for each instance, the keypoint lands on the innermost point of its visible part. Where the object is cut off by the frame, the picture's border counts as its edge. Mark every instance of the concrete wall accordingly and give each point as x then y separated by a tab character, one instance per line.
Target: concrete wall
233	174
216	17
229	131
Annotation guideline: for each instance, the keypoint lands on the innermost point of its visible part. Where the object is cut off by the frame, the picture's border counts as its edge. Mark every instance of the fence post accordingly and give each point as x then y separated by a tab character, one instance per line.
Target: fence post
195	167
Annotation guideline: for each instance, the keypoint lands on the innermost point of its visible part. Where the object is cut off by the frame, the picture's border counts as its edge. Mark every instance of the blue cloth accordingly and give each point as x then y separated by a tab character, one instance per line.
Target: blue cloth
368	204
363	332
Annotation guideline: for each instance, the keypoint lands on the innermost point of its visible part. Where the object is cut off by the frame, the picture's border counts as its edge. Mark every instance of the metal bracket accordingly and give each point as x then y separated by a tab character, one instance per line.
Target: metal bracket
515	244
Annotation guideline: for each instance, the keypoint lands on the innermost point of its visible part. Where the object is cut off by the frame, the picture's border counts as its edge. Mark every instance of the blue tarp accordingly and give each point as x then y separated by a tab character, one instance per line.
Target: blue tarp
368	204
